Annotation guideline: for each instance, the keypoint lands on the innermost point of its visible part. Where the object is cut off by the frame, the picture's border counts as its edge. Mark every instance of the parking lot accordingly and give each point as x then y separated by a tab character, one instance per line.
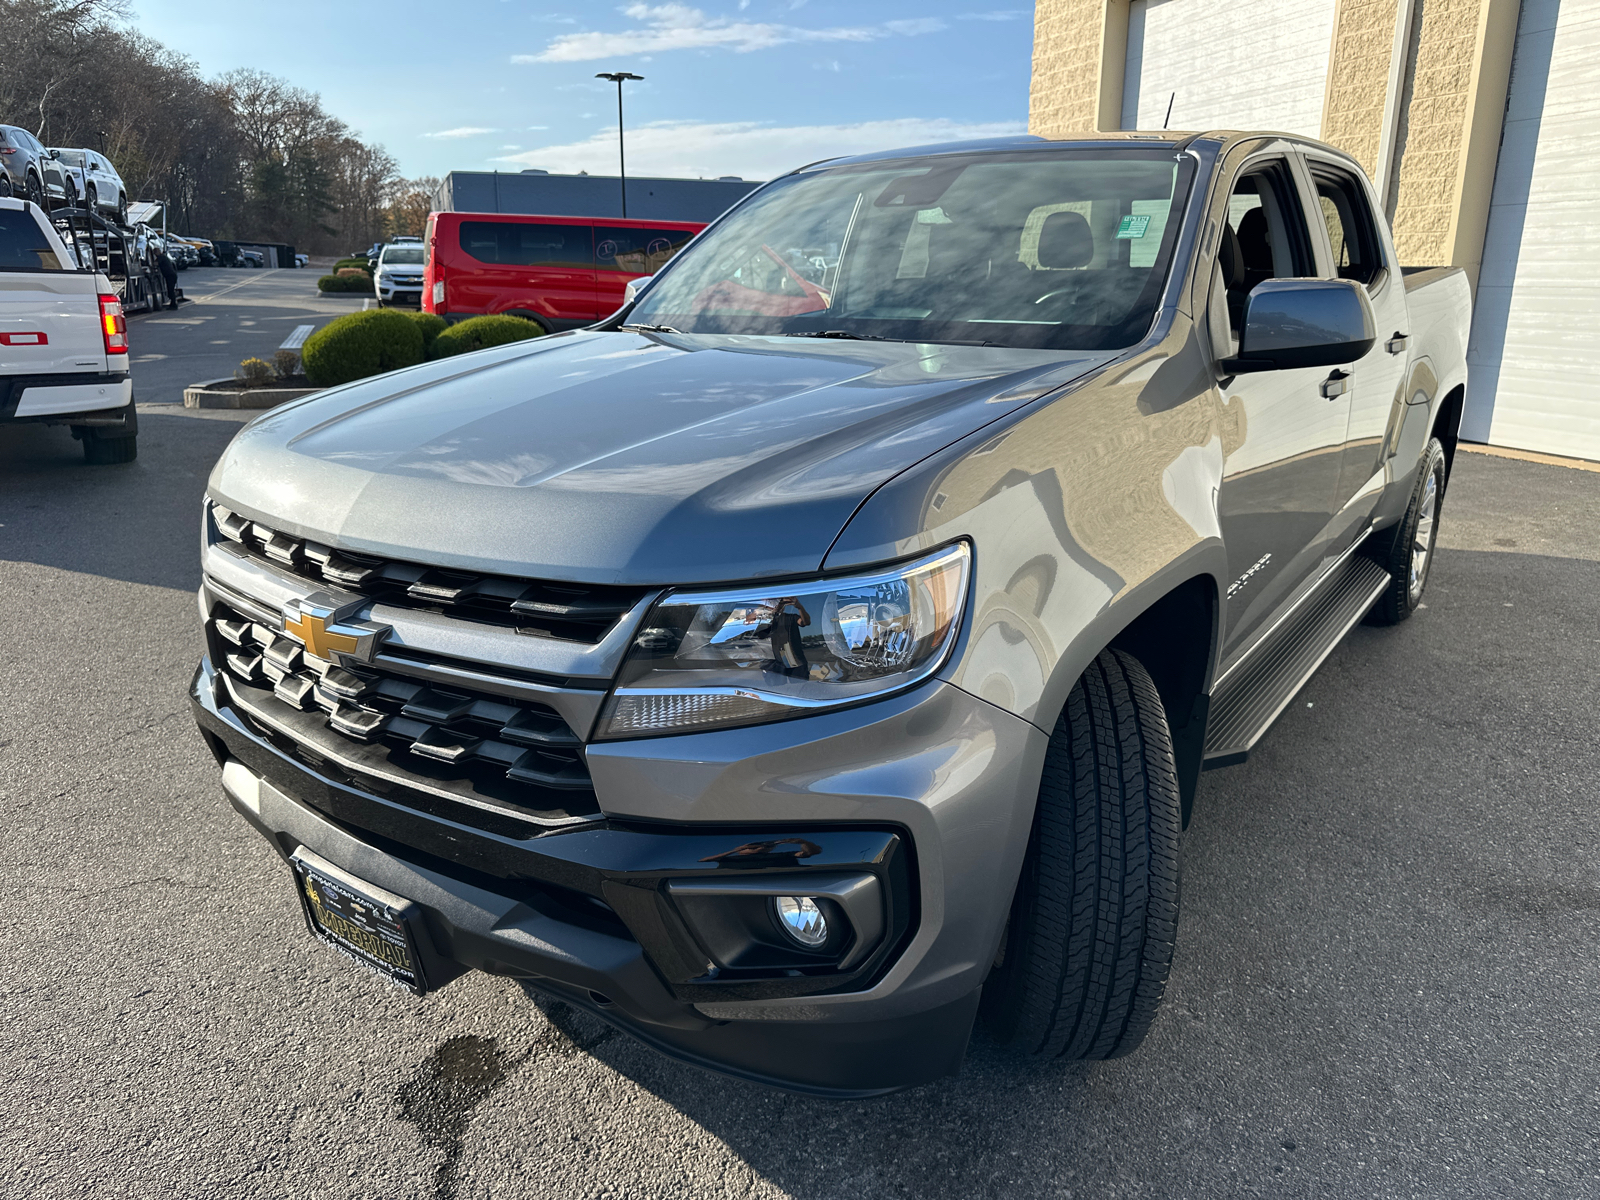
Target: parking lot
1386	981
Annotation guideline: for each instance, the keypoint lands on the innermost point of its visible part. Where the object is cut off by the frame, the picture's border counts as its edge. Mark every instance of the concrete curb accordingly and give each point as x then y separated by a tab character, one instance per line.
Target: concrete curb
206	394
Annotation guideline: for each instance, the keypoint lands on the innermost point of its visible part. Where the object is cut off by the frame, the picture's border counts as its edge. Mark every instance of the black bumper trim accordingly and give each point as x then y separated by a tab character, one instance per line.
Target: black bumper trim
546	912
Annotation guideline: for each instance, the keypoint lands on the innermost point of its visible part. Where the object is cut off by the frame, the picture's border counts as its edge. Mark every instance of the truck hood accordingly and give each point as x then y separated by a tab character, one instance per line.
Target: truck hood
614	457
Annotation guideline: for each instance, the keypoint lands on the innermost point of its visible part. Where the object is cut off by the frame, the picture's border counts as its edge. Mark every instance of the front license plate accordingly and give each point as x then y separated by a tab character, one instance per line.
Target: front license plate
372	926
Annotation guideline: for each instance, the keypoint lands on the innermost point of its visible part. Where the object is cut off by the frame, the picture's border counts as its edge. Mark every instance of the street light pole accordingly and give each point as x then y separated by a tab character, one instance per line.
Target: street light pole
617	78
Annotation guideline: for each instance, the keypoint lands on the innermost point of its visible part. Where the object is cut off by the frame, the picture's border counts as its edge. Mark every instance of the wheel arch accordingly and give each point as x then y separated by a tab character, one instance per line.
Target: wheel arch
1447	425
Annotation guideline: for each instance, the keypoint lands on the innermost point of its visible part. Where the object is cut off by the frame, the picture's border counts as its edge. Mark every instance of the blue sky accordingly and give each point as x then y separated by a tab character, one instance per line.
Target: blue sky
732	87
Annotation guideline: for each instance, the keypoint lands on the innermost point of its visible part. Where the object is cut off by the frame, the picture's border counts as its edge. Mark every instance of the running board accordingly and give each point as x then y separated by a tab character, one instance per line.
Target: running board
1246	704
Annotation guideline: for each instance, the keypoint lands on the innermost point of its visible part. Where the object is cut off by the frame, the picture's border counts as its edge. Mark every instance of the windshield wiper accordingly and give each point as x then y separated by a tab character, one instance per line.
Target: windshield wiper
842	333
649	328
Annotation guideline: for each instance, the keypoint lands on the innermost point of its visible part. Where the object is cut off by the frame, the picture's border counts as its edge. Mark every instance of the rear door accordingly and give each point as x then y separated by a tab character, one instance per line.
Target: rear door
1285	440
1353	248
49	316
622	253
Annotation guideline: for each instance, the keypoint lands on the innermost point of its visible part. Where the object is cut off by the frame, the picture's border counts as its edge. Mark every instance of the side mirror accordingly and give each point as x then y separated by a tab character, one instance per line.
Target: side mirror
55	154
1303	323
631	290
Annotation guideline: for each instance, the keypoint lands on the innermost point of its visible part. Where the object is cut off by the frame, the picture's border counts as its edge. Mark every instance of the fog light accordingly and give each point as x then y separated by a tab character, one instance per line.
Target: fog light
801	919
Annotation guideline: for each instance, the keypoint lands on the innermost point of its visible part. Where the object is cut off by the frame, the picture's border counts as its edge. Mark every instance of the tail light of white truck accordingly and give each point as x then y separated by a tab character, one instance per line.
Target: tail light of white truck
113	325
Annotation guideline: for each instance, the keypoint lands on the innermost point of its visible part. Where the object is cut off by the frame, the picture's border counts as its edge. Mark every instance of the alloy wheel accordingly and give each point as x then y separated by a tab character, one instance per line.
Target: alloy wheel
1422	536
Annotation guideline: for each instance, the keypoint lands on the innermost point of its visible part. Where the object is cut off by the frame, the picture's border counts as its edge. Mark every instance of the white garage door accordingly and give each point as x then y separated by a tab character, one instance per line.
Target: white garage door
1244	64
1534	363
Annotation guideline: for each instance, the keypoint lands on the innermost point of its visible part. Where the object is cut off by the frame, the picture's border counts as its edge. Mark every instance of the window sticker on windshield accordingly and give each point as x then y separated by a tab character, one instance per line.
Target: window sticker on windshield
1133	226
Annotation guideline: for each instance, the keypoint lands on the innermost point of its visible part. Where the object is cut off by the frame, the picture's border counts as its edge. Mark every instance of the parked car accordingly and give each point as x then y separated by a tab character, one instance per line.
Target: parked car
205	250
397	278
92	176
63	340
559	272
27	170
824	652
302	260
251	258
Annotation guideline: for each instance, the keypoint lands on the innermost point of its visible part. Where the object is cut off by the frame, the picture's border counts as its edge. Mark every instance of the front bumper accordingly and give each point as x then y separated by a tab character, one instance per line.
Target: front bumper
936	814
408	293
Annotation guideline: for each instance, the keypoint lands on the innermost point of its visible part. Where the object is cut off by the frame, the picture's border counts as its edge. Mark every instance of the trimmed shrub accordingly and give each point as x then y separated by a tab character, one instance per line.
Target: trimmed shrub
356	281
286	363
479	333
432	325
359	264
353	273
361	344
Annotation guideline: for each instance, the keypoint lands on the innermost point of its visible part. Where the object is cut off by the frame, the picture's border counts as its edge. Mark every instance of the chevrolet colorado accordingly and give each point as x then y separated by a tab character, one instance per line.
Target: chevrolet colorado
63	340
821	654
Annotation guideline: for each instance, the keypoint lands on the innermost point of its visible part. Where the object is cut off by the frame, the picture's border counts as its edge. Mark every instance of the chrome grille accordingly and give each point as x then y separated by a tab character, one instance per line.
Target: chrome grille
566	611
386	729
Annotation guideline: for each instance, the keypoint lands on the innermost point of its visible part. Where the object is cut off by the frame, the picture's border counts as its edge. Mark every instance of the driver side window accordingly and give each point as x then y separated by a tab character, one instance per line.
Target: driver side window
1264	236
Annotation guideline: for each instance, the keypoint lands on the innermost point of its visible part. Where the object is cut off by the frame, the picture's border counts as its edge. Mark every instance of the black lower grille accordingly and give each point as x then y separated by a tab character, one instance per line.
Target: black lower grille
567	611
389	732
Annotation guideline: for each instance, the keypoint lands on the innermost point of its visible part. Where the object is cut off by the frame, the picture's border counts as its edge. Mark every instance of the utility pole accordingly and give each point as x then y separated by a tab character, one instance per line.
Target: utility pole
617	78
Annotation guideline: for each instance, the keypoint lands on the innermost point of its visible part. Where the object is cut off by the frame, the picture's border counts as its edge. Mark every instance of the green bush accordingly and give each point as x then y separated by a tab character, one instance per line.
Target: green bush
359	345
345	283
479	333
432	325
358	263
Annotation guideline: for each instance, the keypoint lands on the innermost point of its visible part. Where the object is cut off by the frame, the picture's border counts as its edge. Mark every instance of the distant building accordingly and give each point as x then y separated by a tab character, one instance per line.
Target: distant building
541	193
1475	118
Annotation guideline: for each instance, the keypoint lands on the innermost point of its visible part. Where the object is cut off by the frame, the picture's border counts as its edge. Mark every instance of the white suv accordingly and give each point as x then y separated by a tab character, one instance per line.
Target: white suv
398	279
95	179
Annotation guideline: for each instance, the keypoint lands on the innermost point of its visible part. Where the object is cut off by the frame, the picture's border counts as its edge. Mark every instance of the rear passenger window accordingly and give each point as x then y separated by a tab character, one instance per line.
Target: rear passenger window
23	245
1351	234
523	244
637	251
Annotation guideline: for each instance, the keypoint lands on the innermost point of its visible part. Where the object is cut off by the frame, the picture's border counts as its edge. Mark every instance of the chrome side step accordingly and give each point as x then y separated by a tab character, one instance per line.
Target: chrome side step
1249	700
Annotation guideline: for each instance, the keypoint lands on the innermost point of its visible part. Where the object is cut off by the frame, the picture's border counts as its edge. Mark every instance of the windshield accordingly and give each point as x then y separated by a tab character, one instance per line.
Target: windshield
1067	250
409	256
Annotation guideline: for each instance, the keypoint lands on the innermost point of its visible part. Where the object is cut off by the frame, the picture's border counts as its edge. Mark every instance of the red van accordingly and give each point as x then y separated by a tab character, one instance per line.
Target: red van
562	272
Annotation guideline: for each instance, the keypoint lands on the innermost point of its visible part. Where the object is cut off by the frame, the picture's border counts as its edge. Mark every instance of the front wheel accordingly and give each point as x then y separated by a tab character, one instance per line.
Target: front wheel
6	189
1084	961
1407	552
91	199
122	211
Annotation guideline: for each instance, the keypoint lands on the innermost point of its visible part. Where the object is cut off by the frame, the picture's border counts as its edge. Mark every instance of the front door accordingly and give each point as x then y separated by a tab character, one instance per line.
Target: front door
1281	473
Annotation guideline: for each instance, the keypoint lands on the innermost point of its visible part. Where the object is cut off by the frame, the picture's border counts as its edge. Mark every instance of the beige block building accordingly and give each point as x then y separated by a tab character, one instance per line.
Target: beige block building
1476	119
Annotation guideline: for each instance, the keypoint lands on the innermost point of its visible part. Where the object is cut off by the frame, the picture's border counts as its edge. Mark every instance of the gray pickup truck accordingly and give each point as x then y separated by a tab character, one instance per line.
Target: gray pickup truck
821	654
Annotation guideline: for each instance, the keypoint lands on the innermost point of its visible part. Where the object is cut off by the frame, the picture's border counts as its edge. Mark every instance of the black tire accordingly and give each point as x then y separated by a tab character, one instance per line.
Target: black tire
36	191
6	189
122	210
91	199
1406	551
531	319
106	451
1086	954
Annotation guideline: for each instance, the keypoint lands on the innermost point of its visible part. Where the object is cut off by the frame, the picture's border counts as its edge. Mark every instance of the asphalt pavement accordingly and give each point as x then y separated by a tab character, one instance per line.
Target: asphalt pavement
1386	981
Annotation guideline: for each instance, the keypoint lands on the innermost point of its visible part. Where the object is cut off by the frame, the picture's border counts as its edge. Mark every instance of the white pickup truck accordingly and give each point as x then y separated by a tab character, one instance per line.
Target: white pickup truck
63	340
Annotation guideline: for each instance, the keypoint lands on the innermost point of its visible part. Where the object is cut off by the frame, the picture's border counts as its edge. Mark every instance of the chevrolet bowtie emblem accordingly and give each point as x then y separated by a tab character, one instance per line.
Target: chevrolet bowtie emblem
319	627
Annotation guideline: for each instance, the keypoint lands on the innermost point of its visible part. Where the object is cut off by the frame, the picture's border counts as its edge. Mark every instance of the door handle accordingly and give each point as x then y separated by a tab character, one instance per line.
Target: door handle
1398	343
1336	384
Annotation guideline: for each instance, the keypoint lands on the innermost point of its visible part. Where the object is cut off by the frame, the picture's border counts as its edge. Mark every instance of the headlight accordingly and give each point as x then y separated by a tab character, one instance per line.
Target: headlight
706	660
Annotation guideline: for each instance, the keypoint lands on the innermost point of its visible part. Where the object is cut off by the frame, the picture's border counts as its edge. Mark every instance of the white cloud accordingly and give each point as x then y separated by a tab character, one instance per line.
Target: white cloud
999	14
746	148
463	131
674	26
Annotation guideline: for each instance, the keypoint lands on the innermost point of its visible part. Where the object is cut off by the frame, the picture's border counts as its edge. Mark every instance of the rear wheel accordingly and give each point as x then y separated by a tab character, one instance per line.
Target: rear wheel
91	198
104	445
1086	954
122	210
35	190
5	186
1407	551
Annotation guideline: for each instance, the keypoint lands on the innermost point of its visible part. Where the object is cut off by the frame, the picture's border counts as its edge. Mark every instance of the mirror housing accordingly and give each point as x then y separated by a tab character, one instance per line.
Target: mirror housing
631	289
1303	323
55	154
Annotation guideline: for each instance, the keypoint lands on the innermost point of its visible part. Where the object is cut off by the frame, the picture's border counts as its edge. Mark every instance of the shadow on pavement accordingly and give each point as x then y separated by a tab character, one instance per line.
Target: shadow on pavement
138	522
